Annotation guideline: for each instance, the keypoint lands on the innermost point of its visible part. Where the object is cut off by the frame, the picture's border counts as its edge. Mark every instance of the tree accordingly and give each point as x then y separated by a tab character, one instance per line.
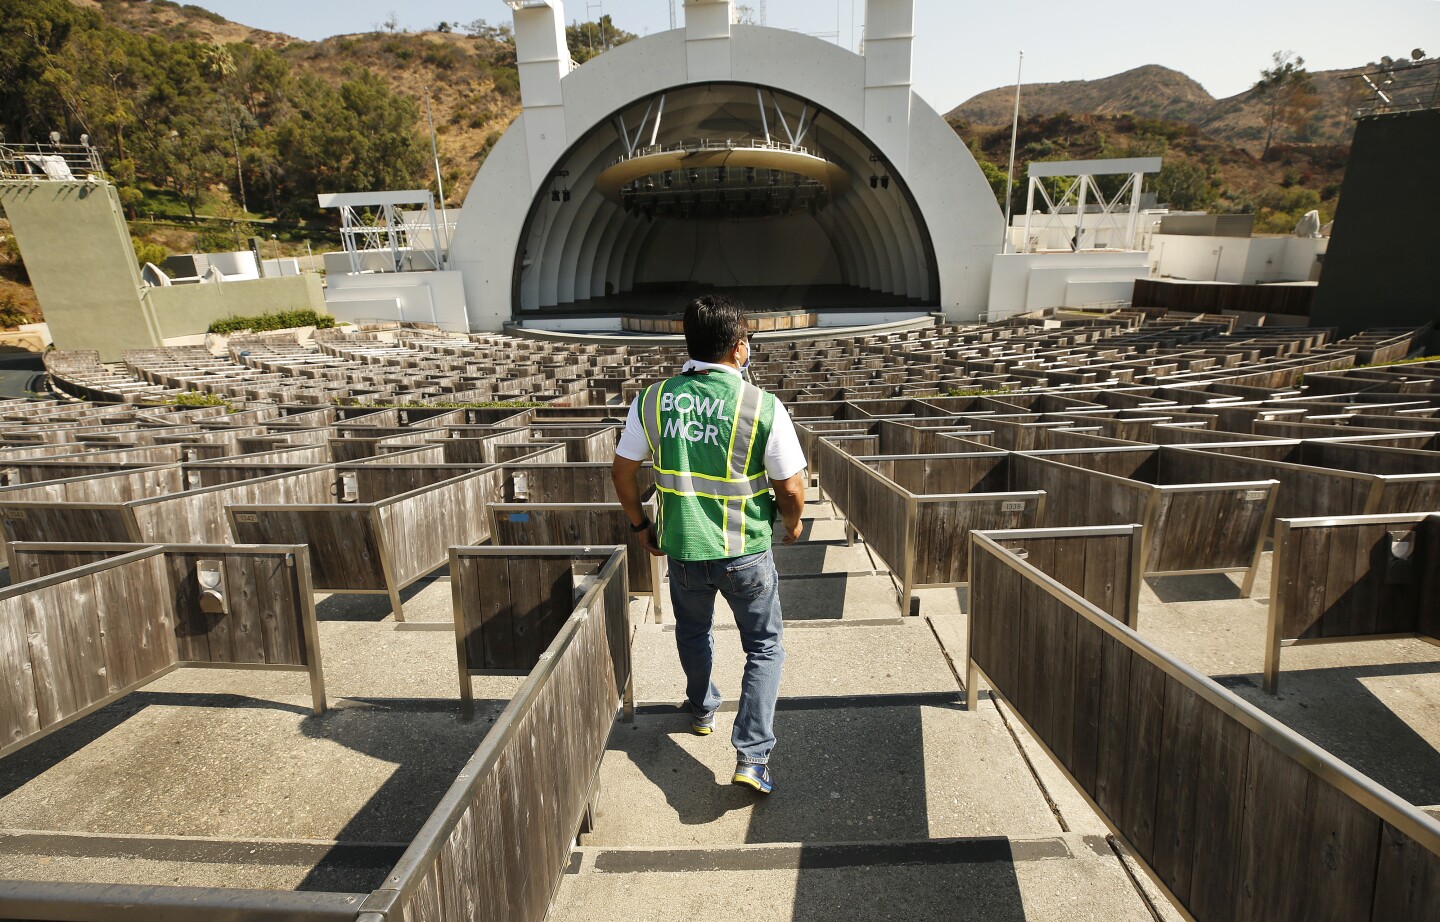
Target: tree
1288	94
745	15
1187	185
443	27
500	34
588	39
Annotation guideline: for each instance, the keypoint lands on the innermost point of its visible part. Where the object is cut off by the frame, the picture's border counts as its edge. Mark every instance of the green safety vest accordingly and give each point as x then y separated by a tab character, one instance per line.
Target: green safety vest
707	433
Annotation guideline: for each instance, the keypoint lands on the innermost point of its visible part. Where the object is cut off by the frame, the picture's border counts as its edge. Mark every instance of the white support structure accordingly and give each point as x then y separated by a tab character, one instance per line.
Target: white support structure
543	59
707	39
1126	201
889	49
371	222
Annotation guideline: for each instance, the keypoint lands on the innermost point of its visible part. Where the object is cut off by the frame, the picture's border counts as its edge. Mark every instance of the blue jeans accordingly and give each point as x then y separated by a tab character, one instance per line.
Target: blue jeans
752	588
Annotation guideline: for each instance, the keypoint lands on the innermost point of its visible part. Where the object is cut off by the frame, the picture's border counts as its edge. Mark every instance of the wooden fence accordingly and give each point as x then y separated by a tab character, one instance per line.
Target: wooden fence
1307	491
921	537
1357	577
387	540
180	517
573	482
92	622
1197	527
1102	563
496	846
1237	817
580	524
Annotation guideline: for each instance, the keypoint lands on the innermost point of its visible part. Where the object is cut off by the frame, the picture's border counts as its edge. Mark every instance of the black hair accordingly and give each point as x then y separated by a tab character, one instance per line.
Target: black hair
714	324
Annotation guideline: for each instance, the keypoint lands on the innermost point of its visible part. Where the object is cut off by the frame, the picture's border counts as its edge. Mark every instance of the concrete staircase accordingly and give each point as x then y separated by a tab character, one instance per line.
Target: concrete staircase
891	801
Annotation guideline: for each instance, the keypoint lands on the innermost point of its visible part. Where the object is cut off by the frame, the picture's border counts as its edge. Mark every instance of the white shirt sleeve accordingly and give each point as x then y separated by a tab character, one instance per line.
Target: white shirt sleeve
784	458
633	445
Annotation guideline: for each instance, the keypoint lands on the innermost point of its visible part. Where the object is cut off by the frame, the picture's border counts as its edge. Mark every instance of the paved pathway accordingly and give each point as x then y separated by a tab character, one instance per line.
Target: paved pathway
892	801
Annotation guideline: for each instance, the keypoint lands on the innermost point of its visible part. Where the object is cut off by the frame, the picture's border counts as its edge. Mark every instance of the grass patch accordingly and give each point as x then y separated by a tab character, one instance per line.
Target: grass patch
193	399
979	391
1415	361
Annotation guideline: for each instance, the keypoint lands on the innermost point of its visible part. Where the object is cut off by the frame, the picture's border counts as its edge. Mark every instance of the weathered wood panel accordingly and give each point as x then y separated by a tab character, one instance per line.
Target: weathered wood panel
345	551
576	524
116	487
1193	778
496	846
71	641
419	527
1097	564
1353	578
198	516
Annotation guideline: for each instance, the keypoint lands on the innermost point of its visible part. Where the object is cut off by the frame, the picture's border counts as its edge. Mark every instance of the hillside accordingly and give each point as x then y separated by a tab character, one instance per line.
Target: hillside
1199	172
474	88
1153	91
177	22
1150	91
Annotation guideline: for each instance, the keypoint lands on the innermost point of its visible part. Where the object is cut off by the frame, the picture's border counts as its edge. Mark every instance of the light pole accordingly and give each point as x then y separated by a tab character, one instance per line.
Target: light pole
1010	173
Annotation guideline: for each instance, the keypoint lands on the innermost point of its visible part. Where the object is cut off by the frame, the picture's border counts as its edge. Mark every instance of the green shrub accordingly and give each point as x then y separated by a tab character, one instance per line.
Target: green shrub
147	252
284	320
11	313
978	392
193	399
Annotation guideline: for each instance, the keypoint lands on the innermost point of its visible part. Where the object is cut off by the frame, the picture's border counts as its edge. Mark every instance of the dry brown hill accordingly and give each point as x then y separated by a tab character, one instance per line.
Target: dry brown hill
181	22
1150	91
1153	91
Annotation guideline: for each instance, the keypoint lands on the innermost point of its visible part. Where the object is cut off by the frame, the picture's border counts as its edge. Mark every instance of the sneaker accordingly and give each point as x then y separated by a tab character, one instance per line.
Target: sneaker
754	775
702	726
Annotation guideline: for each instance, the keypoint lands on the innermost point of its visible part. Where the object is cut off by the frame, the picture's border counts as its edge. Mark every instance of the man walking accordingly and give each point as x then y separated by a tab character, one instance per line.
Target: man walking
719	446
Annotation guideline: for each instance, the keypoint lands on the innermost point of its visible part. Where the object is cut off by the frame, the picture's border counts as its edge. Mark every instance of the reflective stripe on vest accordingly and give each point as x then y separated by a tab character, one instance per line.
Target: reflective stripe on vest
730	490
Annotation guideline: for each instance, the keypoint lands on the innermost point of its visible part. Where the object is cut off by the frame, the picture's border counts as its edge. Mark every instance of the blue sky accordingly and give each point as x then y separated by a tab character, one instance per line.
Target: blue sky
964	47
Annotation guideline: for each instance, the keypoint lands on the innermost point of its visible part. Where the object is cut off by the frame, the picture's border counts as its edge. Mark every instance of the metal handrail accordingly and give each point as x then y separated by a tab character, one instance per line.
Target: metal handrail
1401	87
50	162
710	144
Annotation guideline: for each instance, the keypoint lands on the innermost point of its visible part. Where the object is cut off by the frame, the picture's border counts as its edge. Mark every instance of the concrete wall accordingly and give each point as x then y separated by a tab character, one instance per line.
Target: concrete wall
1237	260
1021	282
958	209
426	297
76	246
187	310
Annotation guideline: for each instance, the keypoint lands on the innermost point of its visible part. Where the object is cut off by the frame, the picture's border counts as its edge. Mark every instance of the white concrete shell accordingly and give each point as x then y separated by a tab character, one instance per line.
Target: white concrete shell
928	239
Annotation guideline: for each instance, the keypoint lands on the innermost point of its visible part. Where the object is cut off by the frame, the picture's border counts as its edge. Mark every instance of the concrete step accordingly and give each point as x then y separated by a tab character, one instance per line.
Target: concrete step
1054	878
859	659
887	768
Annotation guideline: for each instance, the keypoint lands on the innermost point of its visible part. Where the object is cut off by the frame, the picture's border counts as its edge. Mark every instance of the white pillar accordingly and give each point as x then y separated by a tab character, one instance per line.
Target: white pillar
543	61
889	47
707	39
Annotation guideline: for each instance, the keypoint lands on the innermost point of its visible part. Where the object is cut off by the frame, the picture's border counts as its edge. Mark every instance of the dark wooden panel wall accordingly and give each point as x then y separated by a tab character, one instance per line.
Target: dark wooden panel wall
508	825
1341	580
1101	567
344	543
1217	799
578	524
510	607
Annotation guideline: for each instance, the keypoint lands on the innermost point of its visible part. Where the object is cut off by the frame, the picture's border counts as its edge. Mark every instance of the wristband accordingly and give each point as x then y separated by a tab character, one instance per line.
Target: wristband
642	526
